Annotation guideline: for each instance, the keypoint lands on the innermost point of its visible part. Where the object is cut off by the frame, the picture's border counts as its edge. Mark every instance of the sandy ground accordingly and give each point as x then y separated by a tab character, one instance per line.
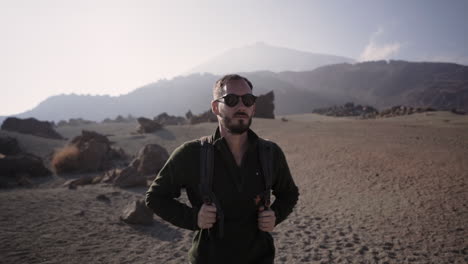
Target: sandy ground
372	191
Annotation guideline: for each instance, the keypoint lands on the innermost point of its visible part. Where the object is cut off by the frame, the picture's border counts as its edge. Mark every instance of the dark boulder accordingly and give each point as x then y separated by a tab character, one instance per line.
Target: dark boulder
348	109
88	152
31	126
23	163
264	106
207	116
147	125
128	177
16	170
165	119
401	110
9	146
137	213
150	159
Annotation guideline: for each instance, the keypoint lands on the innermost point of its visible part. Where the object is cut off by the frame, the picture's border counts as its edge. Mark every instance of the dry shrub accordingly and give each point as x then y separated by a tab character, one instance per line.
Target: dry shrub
66	160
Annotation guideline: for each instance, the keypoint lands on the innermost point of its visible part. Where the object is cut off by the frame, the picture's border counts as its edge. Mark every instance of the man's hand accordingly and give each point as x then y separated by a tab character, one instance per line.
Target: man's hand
206	216
266	219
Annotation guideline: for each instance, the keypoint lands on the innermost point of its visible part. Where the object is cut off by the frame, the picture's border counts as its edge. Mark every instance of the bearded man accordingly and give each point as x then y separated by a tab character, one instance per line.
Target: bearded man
233	222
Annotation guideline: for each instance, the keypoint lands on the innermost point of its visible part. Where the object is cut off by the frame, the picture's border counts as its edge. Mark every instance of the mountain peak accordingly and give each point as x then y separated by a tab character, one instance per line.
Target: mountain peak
261	56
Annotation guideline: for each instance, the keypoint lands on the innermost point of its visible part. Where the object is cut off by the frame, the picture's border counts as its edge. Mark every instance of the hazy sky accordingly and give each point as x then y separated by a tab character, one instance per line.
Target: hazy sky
112	47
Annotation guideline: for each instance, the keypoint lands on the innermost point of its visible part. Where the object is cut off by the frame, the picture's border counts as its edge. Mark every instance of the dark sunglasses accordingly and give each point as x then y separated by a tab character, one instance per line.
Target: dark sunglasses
232	100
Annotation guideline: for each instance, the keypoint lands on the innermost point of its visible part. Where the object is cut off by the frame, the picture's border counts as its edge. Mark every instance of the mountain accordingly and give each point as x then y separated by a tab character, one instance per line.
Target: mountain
384	84
175	96
263	57
381	84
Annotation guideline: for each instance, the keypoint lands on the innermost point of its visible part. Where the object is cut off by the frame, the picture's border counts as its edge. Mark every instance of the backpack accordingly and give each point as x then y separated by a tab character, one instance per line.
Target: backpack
265	150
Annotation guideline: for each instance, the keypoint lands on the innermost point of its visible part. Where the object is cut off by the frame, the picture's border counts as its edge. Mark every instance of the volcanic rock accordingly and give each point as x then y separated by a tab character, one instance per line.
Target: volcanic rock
72	184
166	119
150	159
31	126
137	213
9	146
264	106
348	109
400	110
128	177
148	125
15	170
207	116
85	153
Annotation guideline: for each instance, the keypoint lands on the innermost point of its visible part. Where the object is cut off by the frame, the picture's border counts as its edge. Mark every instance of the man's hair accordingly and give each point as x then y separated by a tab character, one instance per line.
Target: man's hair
218	87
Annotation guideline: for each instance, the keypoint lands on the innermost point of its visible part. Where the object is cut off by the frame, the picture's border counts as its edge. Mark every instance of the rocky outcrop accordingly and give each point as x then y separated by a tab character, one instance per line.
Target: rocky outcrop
17	169
74	183
75	122
265	106
403	110
150	159
23	163
9	146
86	153
147	125
137	213
207	116
127	177
348	109
120	119
458	111
31	126
165	119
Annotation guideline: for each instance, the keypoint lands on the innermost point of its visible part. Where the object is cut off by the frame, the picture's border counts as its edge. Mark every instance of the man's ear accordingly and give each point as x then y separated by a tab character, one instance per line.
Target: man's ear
214	107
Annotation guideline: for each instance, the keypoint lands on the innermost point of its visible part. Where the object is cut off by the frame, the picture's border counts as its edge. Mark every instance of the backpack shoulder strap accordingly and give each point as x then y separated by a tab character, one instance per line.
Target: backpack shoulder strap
266	162
206	181
206	168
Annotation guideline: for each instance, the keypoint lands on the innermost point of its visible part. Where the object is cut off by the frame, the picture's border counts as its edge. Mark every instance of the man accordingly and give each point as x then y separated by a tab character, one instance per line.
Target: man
234	227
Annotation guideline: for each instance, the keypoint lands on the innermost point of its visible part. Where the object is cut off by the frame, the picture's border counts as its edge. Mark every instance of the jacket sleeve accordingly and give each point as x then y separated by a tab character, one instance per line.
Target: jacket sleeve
284	189
161	195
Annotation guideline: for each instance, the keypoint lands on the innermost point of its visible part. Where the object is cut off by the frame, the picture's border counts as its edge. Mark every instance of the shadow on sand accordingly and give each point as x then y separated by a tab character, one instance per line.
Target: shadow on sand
159	230
165	134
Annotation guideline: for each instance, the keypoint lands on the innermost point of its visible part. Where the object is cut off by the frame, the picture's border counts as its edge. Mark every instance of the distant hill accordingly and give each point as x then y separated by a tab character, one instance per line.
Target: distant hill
385	84
380	84
175	96
263	57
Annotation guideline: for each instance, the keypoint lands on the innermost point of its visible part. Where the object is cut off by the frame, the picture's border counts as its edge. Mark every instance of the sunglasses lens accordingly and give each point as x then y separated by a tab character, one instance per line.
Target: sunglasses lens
231	100
248	99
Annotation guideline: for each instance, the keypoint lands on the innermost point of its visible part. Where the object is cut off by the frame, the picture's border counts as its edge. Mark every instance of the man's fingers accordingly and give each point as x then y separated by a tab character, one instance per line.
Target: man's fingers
207	226
265	220
208	208
266	228
268	213
207	216
210	220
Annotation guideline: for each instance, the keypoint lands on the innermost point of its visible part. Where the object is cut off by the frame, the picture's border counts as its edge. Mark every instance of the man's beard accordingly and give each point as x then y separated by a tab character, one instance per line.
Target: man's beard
239	128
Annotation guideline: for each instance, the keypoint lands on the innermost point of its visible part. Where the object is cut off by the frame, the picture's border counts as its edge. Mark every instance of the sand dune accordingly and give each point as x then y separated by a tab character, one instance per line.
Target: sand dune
372	191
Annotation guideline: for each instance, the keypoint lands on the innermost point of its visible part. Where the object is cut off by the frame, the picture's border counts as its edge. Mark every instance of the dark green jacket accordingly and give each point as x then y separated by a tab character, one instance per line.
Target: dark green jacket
235	188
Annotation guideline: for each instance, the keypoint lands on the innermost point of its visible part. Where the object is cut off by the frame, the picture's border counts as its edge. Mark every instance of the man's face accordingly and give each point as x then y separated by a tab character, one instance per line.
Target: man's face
236	119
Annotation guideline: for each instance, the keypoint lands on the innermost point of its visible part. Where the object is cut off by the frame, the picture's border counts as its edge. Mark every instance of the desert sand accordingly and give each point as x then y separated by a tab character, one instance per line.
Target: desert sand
371	191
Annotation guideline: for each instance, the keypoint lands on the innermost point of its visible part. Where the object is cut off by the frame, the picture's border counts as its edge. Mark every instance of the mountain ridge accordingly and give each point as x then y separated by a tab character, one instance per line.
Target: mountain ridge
381	84
263	57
